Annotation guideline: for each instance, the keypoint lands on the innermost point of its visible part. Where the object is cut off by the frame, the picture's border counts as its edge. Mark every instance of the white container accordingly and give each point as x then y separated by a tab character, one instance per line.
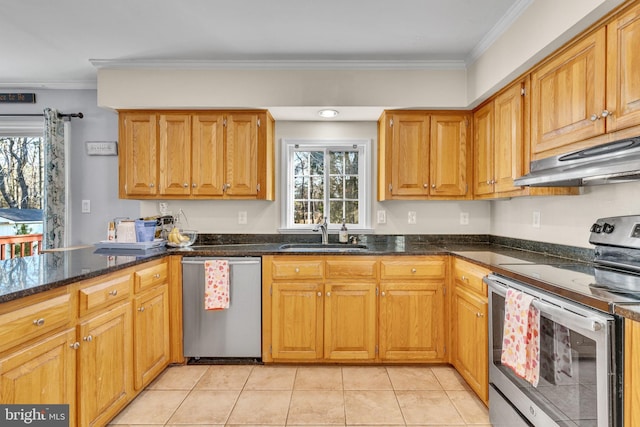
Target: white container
126	232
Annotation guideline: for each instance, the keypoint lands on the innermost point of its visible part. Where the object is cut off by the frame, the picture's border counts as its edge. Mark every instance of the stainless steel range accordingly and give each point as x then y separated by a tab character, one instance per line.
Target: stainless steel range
581	346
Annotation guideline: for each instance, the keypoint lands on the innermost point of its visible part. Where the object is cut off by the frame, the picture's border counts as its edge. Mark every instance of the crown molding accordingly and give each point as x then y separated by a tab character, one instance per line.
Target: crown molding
501	26
276	64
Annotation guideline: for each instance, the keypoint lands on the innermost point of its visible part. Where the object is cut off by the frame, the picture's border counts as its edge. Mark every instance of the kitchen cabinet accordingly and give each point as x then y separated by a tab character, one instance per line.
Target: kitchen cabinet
150	323
631	373
412	309
423	155
200	154
469	327
320	317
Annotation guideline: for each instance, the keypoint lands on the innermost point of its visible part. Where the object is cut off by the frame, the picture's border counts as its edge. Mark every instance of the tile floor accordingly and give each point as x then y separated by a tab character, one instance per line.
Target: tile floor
282	395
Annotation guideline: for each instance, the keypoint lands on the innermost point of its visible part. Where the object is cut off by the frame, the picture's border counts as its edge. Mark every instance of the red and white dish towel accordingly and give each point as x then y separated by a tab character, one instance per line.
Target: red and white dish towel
216	287
521	337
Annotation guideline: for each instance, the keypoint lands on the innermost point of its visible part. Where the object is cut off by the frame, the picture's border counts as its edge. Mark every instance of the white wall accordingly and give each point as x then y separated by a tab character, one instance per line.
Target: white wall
433	217
564	219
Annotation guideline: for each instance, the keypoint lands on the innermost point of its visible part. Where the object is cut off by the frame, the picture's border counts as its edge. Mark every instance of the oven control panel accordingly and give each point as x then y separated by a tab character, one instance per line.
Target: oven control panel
620	231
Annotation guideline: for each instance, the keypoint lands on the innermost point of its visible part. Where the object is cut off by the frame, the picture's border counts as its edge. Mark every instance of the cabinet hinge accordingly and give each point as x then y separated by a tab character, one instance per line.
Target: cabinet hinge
523	91
444	349
376	348
377	291
224	122
258	122
444	290
258	188
270	350
270	290
390	188
390	122
466	122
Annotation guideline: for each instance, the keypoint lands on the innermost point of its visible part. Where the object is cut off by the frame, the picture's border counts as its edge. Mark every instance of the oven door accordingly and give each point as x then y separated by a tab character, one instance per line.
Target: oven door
576	386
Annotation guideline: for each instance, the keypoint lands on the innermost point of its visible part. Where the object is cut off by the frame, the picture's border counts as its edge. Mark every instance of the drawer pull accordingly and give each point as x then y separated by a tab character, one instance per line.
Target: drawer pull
75	345
156	276
319	294
413	270
328	294
141	309
297	270
383	293
88	338
38	322
113	293
479	314
464	278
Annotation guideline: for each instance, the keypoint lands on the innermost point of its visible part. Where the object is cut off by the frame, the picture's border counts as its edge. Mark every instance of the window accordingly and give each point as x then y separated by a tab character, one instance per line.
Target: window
326	179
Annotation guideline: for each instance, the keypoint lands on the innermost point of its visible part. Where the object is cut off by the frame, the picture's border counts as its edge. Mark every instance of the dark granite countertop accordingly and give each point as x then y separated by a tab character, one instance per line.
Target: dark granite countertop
26	276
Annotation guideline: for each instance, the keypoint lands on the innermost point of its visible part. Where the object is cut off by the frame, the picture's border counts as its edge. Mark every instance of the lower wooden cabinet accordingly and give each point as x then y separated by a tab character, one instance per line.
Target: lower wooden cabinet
469	330
631	373
104	371
151	335
42	373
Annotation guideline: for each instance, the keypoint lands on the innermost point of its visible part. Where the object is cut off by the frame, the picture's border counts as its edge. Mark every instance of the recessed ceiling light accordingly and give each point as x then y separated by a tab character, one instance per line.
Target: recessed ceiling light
328	113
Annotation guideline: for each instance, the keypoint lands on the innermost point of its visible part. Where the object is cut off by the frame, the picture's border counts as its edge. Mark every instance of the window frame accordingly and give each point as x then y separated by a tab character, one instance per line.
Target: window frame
362	146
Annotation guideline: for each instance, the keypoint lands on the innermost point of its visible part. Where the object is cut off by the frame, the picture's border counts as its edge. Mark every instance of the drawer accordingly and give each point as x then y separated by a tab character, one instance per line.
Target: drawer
150	277
33	320
297	268
412	268
351	268
469	276
103	292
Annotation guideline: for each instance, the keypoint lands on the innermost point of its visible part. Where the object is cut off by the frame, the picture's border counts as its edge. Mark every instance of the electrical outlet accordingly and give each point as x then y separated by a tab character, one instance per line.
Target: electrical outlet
86	206
382	217
242	217
536	219
464	218
412	217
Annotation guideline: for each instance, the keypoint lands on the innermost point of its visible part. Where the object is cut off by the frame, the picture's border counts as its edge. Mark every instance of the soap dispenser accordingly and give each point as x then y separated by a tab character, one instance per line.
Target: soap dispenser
344	234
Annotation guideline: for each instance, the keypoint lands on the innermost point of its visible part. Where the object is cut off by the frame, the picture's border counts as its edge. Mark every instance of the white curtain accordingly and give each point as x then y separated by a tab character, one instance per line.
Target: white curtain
56	180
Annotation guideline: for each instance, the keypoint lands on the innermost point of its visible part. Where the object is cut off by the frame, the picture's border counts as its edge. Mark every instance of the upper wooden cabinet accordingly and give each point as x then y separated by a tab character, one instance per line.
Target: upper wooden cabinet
587	94
201	154
423	155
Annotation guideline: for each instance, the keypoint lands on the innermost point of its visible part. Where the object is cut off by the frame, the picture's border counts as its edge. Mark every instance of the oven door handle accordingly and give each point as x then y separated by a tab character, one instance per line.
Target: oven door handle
590	324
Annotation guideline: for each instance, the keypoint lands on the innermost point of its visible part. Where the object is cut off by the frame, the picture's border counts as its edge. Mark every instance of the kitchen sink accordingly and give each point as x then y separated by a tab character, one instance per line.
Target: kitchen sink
319	247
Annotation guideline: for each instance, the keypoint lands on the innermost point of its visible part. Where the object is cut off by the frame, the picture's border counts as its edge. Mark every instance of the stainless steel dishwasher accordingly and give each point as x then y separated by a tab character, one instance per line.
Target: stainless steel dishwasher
227	334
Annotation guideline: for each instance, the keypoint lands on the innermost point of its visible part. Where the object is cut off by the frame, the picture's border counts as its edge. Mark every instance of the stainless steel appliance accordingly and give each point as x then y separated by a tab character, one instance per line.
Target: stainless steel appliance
591	393
608	163
233	333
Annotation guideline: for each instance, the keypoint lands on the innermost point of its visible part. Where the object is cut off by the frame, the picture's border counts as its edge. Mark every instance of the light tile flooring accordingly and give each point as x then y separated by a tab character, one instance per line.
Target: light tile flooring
283	395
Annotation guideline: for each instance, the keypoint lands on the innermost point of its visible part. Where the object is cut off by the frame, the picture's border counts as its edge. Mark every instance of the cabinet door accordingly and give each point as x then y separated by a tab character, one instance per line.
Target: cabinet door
151	335
508	138
296	323
483	150
470	340
567	97
207	162
138	163
242	155
175	154
350	321
449	147
623	70
631	373
410	155
412	321
42	373
104	372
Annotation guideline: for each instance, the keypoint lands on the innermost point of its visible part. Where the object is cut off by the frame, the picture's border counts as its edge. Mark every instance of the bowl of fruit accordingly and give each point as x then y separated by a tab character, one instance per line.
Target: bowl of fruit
179	238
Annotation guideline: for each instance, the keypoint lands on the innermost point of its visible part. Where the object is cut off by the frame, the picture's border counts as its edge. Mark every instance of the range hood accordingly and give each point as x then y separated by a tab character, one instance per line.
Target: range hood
608	163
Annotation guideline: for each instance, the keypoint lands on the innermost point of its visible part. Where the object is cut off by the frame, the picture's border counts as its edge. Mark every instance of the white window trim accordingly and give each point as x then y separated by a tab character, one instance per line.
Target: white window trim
364	146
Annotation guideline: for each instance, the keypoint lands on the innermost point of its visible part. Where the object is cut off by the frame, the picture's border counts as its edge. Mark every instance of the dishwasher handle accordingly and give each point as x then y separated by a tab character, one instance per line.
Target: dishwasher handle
231	262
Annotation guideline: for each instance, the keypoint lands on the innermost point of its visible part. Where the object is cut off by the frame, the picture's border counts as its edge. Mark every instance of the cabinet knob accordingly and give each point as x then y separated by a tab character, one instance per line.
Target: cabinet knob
319	294
194	185
413	270
328	294
38	322
156	276
185	185
151	185
479	314
297	270
113	293
464	278
425	185
141	309
606	113
88	338
489	182
382	293
433	186
75	345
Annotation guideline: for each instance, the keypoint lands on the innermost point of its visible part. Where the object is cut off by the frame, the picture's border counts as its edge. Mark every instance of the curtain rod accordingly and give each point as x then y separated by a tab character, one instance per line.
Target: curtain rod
60	115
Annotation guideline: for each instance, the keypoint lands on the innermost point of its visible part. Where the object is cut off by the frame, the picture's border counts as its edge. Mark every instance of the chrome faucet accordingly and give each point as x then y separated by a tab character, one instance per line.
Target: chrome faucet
323	227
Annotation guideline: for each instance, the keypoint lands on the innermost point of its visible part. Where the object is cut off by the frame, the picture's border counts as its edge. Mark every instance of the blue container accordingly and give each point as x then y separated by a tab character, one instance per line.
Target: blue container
145	230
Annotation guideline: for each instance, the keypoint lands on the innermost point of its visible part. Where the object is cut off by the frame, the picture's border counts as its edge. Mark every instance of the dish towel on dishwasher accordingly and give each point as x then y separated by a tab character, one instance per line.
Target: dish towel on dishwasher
521	337
216	287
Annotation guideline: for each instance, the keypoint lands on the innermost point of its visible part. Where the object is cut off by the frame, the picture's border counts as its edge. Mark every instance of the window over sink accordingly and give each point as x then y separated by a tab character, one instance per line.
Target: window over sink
325	179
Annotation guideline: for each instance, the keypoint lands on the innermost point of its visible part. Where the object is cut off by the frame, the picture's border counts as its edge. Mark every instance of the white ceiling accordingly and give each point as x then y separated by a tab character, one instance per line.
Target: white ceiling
50	44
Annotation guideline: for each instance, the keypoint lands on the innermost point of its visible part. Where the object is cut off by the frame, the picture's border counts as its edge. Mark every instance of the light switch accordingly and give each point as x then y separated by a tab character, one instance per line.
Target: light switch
464	218
412	217
382	217
86	206
242	217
